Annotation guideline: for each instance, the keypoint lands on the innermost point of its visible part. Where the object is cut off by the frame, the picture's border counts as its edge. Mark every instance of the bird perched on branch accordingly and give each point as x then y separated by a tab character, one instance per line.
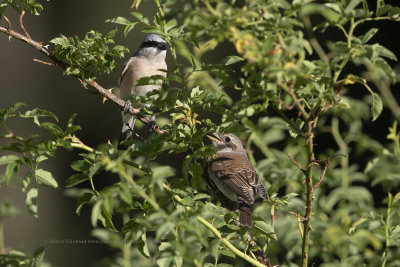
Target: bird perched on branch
148	60
234	175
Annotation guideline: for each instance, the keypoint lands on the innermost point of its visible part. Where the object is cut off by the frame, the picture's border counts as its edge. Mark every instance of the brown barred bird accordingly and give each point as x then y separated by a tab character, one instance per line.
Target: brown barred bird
234	175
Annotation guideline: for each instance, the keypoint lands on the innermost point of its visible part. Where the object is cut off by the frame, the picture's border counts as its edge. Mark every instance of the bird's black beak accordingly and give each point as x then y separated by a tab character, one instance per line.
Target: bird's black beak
162	46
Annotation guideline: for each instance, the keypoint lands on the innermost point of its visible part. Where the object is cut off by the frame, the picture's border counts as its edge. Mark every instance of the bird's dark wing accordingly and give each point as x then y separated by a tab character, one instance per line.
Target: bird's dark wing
235	174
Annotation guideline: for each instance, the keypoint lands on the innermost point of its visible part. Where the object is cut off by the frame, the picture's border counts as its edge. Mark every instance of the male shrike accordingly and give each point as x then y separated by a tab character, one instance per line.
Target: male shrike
148	60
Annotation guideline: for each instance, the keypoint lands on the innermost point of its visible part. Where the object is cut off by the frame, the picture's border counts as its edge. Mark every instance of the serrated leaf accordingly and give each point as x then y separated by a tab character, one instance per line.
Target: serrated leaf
376	108
45	178
31	201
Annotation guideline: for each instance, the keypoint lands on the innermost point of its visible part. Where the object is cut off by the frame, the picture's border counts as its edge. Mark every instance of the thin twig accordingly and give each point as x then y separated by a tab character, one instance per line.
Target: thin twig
322	175
296	163
227	244
327	161
43	62
299	219
22	24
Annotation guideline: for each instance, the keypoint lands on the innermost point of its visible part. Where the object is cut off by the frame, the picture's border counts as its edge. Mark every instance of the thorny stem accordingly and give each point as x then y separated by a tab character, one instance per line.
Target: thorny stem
310	191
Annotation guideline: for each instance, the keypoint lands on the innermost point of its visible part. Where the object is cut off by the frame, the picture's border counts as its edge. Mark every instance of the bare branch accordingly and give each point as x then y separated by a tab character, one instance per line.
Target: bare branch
327	161
296	163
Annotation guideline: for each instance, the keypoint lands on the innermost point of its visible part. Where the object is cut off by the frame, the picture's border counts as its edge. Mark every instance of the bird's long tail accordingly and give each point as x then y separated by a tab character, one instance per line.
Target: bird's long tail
244	212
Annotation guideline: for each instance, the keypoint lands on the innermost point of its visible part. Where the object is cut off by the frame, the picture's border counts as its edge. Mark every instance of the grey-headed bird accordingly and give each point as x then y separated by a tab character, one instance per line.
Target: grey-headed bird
148	60
234	175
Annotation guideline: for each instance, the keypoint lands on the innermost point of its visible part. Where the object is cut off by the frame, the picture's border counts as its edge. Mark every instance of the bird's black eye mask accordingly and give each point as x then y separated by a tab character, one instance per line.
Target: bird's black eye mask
159	45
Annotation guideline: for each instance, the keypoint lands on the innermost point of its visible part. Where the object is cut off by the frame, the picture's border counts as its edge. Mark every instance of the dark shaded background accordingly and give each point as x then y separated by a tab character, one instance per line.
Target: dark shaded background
42	86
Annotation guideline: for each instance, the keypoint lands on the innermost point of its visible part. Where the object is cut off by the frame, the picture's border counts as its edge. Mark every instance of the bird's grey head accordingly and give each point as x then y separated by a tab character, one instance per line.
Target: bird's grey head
152	47
226	143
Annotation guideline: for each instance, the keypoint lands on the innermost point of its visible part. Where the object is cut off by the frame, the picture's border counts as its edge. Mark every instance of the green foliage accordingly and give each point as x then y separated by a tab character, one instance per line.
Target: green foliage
279	89
88	55
21	6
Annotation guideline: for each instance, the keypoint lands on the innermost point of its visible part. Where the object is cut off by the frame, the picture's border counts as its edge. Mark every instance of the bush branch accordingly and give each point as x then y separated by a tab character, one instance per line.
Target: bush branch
97	87
228	244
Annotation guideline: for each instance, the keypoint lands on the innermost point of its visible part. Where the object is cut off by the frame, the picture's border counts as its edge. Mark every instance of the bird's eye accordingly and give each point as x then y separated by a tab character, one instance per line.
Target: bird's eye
227	139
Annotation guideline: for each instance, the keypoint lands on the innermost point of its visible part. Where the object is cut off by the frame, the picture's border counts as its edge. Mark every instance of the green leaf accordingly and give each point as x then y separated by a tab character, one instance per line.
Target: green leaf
170	24
376	108
327	11
395	236
119	20
163	230
76	179
142	246
96	213
45	178
229	60
371	33
201	196
140	17
105	218
7	210
11	170
31	201
3	7
82	200
80	165
265	228
8	159
396	198
38	257
384	52
382	8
